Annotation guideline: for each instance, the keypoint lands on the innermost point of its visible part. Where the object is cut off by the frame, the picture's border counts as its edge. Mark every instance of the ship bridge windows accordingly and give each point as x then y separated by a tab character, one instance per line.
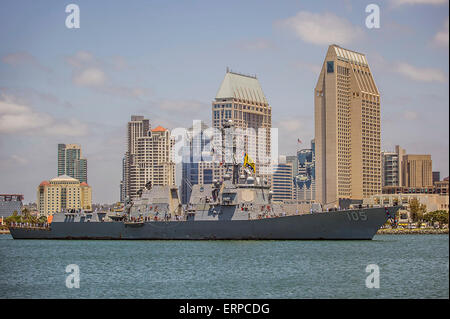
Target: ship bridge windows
228	198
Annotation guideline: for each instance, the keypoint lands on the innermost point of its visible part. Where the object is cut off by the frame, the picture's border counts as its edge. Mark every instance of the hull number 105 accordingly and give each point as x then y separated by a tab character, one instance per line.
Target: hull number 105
356	216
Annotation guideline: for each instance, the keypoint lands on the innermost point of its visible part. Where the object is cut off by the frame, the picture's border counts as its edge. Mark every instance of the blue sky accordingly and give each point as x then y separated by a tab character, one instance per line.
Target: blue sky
166	60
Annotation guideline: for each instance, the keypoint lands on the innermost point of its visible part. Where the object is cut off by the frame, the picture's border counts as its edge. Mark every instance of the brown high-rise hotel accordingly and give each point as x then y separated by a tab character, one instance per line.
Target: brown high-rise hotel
347	128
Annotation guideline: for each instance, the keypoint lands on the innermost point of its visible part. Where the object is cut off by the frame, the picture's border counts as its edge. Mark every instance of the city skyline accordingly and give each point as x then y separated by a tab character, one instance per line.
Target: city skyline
62	87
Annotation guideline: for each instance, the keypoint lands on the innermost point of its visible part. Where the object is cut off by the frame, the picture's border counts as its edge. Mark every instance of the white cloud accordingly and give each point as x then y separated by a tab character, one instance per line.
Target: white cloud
90	72
90	77
413	2
441	38
322	28
23	59
421	74
18	118
81	59
290	125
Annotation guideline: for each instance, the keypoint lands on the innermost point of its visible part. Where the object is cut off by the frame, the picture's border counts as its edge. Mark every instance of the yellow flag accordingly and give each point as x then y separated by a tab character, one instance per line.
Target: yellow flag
249	163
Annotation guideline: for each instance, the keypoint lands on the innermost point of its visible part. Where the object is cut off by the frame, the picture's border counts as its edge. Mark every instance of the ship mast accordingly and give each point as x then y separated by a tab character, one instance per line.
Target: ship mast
229	136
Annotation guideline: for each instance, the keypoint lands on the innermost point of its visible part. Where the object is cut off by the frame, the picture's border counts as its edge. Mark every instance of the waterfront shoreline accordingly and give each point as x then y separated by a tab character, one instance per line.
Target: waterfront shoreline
382	231
414	231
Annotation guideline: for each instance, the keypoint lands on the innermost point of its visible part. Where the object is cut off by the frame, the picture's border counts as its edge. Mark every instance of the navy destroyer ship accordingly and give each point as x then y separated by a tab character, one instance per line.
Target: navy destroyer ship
236	208
223	210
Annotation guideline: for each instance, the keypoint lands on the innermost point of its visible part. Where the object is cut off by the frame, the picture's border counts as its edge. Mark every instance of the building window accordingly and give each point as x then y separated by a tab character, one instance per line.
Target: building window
330	66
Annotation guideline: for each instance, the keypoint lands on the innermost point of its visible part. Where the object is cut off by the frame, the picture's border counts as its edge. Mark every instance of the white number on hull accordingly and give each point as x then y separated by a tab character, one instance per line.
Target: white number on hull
356	216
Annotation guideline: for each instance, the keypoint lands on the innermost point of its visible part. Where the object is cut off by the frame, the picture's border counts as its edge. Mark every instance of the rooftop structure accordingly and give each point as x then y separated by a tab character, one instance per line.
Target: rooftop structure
241	87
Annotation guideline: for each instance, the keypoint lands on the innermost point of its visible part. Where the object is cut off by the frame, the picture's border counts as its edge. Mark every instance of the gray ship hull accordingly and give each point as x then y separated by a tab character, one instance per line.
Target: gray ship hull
337	225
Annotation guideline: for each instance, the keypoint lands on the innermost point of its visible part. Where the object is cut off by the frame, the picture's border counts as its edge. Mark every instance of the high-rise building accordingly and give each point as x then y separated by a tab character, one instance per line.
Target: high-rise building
71	163
417	171
391	164
149	157
240	99
282	181
347	128
305	178
197	165
63	193
137	127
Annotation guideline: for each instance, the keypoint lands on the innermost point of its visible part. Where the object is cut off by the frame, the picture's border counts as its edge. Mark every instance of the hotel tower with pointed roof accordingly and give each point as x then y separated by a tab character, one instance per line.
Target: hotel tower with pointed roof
240	99
347	128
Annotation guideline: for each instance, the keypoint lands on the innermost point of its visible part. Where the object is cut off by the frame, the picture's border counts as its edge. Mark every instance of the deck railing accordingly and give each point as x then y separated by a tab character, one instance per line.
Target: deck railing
44	226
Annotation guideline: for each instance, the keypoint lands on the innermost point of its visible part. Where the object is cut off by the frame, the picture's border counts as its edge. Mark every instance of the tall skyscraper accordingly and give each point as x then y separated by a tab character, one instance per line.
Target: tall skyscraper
137	127
71	163
347	128
149	157
240	99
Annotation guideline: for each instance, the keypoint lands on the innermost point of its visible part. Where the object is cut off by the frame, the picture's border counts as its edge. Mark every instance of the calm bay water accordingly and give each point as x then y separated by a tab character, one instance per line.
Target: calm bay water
411	266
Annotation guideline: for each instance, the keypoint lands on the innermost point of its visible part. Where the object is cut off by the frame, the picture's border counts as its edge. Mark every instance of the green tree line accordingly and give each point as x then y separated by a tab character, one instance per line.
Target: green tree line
25	217
419	214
